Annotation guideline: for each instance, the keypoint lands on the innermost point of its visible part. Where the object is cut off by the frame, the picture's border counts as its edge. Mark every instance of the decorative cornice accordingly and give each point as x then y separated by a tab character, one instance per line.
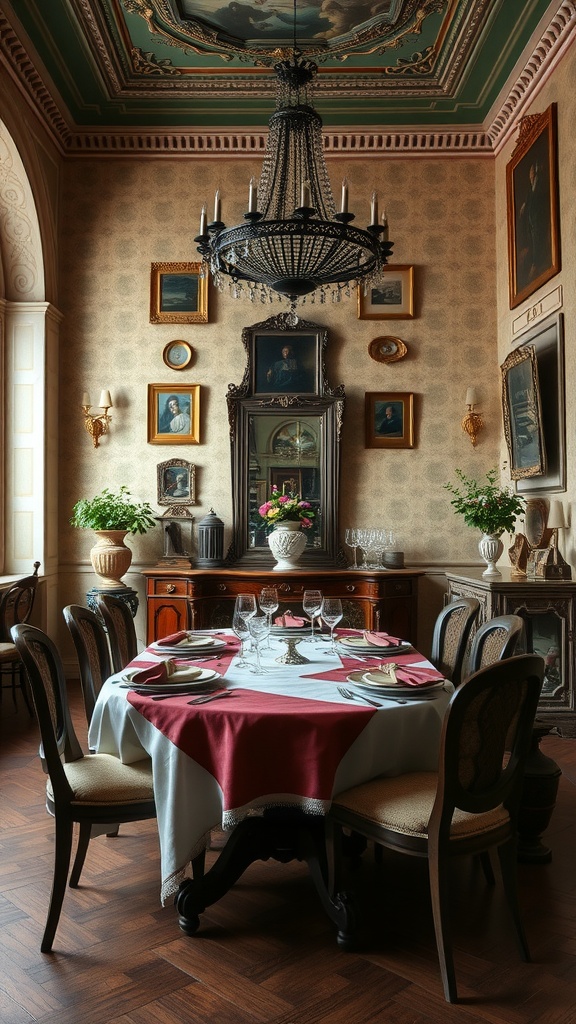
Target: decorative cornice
347	142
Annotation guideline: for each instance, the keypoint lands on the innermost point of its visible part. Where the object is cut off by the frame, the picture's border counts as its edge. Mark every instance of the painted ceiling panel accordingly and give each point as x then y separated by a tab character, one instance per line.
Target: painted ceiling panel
193	63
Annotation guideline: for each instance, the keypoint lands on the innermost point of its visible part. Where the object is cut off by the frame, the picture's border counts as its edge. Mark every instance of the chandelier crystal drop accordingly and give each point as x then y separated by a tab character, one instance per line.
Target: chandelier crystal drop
293	242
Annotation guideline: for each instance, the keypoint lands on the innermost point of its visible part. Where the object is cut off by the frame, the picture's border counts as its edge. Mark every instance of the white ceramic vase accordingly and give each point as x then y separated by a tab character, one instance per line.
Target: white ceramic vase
110	558
490	547
287	542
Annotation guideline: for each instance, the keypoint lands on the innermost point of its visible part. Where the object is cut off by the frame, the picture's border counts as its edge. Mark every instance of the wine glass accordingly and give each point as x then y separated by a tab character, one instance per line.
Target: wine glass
240	628
351	541
259	629
245	606
331	612
312	603
268	602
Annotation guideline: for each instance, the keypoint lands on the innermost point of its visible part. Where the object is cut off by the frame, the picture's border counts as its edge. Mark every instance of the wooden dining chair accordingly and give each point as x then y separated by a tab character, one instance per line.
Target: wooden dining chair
495	640
468	806
87	789
16	604
119	624
92	651
451	634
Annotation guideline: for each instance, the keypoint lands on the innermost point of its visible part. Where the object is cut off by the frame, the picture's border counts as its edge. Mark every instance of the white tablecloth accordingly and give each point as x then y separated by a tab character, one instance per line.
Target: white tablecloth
396	739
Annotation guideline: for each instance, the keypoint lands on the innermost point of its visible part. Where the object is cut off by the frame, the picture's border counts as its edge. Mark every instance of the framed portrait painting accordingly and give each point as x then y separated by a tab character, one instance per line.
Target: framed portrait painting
176	479
389	419
173	414
522	413
391	298
286	363
547	340
532	206
178	294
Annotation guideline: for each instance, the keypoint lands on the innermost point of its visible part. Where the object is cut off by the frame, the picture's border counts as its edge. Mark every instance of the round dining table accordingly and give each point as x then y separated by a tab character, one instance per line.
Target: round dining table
263	760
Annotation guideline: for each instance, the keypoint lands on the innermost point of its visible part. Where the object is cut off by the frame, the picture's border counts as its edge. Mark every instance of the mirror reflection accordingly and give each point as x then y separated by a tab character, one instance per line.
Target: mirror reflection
284	451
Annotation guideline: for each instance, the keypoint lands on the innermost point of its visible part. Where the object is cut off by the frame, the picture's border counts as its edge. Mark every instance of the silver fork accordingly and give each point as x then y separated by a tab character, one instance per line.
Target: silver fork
375	704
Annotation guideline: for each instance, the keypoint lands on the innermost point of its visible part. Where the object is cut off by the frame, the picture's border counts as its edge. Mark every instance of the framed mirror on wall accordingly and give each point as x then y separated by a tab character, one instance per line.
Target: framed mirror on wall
285	424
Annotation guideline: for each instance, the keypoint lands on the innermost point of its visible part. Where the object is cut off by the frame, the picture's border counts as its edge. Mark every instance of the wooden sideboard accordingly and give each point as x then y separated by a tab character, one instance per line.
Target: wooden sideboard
548	608
204	598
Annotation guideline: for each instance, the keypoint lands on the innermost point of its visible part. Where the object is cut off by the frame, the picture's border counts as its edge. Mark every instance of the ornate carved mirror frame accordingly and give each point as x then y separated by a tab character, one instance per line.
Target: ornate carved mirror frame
285	425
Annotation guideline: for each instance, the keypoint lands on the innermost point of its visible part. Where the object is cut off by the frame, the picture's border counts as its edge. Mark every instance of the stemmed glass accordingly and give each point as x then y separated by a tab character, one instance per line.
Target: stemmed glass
331	612
351	540
312	603
244	608
259	629
268	602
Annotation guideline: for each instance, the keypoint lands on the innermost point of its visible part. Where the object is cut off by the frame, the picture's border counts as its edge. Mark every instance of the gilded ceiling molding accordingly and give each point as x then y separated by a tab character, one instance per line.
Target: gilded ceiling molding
342	142
537	69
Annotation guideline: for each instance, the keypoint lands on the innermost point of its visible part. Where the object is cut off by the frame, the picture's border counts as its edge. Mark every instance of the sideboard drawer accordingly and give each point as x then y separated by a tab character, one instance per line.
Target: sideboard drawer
398	588
172	587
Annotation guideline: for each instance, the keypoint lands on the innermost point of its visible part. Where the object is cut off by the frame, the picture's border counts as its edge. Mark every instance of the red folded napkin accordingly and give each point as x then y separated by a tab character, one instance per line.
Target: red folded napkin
381	639
410	675
154	674
287	619
175	638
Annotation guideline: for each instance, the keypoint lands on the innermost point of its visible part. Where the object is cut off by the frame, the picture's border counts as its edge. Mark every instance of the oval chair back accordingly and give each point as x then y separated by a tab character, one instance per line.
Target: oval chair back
451	634
92	651
119	625
495	640
16	604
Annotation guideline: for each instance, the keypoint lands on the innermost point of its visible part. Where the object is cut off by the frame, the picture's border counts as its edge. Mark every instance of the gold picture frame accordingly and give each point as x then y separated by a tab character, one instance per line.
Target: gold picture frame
178	294
522	412
389	419
387	349
173	414
392	298
532	206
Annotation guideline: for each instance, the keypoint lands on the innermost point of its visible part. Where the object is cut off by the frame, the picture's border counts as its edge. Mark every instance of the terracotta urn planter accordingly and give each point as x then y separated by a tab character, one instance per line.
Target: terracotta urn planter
110	558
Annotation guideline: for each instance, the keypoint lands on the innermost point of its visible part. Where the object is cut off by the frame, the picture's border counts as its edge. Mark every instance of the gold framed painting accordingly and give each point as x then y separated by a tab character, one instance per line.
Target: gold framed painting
391	297
178	294
522	411
173	414
389	419
532	206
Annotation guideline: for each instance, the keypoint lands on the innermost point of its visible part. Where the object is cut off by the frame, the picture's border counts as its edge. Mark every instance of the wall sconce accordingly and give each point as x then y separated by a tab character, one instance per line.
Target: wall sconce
97	425
472	423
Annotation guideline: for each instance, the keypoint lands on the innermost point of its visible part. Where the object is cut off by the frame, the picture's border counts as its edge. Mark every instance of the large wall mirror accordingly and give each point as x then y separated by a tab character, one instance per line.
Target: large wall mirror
285	424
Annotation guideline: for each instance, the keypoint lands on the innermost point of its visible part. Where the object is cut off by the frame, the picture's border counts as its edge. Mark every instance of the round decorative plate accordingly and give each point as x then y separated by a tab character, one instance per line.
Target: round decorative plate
177	354
387	349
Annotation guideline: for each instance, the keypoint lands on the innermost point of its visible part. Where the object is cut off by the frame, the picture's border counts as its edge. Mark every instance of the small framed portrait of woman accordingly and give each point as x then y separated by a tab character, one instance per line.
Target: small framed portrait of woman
176	482
173	414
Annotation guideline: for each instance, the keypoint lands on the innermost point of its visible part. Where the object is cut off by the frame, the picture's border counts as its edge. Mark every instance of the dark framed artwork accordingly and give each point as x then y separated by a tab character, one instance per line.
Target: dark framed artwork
176	480
178	294
391	297
521	409
286	363
547	340
532	206
389	419
173	414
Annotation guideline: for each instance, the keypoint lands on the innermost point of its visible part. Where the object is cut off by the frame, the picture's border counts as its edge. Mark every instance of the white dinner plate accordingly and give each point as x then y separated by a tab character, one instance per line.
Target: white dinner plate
397	689
357	645
181	681
197	645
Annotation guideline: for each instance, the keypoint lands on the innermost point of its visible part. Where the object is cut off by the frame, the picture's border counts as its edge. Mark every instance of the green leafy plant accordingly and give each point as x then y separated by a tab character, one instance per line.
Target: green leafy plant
109	511
286	508
488	507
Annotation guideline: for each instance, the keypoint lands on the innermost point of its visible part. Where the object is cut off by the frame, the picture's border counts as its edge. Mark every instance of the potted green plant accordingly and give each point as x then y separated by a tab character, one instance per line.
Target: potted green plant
111	516
490	508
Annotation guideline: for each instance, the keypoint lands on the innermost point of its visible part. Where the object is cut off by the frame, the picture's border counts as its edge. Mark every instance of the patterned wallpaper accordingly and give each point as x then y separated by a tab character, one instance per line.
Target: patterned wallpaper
118	217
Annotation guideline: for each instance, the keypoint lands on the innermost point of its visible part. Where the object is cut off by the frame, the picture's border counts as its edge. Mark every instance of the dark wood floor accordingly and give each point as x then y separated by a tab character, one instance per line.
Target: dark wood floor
266	952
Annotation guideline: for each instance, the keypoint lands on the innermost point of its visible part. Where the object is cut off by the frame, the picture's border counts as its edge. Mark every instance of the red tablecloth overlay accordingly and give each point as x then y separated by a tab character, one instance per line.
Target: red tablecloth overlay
300	741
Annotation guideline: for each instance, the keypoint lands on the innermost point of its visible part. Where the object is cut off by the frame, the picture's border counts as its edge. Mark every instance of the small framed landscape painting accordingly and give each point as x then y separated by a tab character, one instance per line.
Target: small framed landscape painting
178	294
391	297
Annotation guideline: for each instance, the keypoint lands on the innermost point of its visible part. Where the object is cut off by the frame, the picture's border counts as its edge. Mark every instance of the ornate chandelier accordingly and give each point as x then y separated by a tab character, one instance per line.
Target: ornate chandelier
293	241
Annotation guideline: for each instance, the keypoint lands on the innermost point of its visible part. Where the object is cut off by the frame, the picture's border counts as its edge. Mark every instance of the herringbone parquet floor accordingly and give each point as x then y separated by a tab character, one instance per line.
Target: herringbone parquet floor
266	953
